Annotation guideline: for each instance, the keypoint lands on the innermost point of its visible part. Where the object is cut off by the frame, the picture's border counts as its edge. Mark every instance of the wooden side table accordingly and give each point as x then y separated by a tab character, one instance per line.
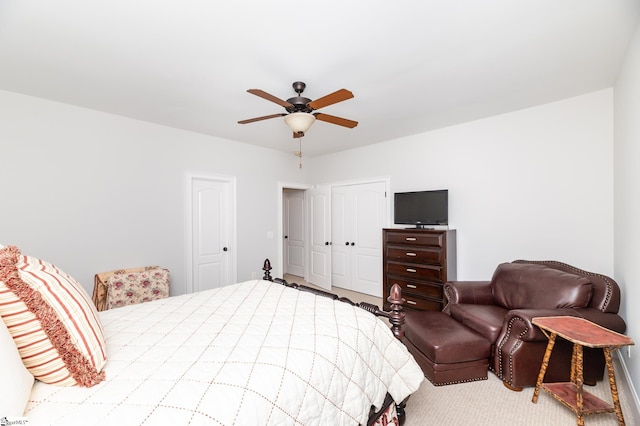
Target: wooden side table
580	332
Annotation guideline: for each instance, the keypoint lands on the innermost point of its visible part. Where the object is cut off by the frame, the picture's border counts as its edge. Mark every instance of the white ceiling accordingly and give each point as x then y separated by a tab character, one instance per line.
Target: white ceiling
412	65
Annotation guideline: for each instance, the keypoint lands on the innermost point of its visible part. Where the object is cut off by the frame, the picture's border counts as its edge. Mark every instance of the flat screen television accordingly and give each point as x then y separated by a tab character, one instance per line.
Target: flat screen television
421	208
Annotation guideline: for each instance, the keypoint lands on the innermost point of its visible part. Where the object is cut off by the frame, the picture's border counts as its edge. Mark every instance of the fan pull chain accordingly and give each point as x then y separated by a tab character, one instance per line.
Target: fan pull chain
300	151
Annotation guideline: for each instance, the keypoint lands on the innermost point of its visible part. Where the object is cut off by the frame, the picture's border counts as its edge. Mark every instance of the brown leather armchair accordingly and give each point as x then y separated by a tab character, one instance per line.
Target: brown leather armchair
502	309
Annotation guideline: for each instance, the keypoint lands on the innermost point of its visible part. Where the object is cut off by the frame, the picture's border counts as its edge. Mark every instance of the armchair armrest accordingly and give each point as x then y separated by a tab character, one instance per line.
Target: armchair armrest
472	292
604	319
518	323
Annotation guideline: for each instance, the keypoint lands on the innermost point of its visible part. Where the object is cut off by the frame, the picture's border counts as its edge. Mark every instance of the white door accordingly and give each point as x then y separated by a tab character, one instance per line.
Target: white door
319	236
294	232
368	219
358	216
212	233
340	237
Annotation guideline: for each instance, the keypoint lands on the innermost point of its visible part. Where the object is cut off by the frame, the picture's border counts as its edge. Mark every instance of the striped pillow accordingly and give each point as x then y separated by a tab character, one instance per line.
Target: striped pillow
52	320
17	381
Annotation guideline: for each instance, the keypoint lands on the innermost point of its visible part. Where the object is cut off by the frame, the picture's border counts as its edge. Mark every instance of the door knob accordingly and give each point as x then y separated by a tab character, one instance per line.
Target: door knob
353	244
286	236
347	243
224	249
326	243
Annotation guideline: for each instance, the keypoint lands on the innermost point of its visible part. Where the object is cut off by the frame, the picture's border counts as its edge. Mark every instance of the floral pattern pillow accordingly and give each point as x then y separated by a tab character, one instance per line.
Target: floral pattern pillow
128	288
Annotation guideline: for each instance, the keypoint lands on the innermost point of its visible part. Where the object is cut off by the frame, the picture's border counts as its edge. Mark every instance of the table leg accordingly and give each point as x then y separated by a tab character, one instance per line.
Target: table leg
574	363
578	381
612	385
543	367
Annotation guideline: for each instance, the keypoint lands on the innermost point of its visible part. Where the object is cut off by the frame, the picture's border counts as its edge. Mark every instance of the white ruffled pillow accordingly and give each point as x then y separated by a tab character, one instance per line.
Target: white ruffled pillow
16	380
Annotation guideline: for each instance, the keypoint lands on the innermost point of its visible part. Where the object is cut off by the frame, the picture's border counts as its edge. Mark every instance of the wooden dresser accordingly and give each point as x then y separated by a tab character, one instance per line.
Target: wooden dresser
420	261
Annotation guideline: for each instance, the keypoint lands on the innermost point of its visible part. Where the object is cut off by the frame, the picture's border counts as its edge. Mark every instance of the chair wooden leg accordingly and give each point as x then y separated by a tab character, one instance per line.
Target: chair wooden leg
512	388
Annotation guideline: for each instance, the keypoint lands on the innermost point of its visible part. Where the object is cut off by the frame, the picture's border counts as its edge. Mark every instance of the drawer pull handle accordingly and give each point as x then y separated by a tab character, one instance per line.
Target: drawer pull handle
410	239
411	302
411	270
411	286
411	254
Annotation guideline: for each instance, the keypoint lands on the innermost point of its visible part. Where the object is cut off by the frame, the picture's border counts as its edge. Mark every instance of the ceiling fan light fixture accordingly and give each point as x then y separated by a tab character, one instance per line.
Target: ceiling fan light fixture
299	121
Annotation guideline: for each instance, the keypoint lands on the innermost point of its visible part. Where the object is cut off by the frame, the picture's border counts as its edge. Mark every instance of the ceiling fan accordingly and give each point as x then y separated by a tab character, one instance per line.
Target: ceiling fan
300	115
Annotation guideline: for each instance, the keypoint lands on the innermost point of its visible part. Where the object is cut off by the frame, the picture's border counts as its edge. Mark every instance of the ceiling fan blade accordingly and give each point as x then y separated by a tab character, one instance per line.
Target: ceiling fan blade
269	97
265	117
330	99
336	120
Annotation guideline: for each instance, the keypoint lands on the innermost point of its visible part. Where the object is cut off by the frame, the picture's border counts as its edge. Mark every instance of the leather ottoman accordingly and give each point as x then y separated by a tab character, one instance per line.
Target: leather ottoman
447	351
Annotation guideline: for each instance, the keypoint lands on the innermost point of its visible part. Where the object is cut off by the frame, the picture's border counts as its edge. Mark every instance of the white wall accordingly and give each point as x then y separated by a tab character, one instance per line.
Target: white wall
534	184
627	199
92	192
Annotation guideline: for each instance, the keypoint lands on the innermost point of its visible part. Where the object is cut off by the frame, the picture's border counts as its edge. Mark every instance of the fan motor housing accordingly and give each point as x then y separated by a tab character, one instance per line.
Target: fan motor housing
299	104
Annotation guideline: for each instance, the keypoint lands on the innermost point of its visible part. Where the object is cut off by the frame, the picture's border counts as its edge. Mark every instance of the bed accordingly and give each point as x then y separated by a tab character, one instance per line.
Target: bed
257	352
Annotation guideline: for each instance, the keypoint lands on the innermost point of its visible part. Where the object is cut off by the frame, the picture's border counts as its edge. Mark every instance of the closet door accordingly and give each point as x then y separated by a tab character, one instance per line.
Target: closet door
368	219
340	236
358	214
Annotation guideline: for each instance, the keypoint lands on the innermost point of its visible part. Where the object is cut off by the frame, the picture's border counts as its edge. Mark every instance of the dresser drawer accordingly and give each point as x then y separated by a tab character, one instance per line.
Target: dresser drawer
415	271
416	288
415	254
415	238
422	304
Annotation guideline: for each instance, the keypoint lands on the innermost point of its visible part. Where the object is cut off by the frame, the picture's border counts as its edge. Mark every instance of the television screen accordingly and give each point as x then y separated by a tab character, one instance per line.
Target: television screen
421	208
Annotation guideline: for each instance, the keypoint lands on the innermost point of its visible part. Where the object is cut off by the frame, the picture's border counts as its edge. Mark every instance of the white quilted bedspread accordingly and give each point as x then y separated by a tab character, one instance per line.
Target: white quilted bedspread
253	353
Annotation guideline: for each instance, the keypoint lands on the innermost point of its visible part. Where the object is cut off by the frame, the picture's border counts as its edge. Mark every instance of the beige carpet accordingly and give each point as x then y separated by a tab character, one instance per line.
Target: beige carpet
489	403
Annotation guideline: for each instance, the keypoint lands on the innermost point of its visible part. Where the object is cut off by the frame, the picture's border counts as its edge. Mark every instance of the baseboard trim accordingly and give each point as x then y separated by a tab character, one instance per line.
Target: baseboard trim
630	388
